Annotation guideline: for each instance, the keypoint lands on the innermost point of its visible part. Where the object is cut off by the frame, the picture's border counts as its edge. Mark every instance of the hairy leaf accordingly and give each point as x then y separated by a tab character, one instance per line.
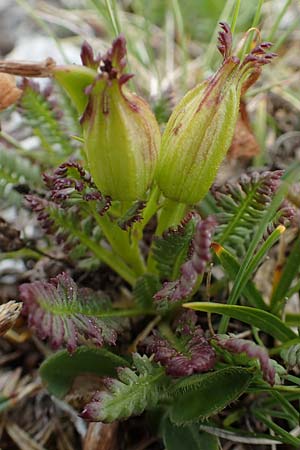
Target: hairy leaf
59	370
69	316
174	437
130	394
200	396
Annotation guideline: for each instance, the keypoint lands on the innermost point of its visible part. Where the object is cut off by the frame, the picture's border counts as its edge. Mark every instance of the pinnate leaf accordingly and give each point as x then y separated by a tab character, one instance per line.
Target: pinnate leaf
130	394
69	316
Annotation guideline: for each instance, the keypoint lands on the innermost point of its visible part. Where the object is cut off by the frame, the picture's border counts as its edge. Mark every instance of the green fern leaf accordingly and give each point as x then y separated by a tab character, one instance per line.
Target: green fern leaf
291	355
146	286
242	204
170	250
45	121
15	170
129	395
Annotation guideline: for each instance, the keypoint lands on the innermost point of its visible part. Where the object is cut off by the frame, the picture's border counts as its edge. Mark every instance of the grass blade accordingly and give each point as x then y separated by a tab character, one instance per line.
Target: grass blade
263	320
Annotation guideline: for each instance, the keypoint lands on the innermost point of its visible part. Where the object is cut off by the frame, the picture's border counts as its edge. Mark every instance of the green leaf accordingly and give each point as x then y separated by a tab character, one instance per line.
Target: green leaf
41	115
59	370
243	203
201	396
290	176
189	436
258	318
289	272
146	286
292	319
252	266
231	266
170	251
130	394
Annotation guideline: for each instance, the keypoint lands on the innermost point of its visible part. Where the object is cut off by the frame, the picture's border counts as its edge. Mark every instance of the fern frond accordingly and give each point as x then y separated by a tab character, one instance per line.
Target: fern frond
242	205
191	270
45	119
15	170
146	286
252	350
189	352
67	211
133	215
70	227
134	391
170	250
70	316
291	356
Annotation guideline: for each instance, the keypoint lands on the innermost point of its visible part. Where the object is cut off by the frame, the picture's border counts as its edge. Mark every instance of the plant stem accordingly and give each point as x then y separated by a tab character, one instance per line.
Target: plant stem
278	20
235	15
171	214
119	242
108	258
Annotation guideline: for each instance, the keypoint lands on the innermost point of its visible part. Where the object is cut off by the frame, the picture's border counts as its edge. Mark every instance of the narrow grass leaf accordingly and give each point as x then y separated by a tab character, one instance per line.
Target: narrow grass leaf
256	317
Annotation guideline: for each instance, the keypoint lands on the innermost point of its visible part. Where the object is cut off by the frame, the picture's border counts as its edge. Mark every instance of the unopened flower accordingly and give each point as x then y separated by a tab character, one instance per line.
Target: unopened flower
201	127
121	134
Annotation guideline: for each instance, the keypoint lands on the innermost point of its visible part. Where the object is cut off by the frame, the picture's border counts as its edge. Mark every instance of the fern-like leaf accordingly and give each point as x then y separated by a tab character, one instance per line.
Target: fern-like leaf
134	391
175	291
190	351
170	250
132	215
45	119
242	204
146	286
252	350
291	356
16	170
66	211
69	316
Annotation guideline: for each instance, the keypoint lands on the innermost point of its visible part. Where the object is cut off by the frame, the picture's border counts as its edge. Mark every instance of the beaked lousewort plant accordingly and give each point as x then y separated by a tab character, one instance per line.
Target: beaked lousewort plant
120	181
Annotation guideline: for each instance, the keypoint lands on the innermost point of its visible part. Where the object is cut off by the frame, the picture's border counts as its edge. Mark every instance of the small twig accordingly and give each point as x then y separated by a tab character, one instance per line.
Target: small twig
29	69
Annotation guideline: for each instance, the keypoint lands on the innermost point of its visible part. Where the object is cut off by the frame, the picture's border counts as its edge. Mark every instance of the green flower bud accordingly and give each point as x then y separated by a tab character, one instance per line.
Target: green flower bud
121	134
201	127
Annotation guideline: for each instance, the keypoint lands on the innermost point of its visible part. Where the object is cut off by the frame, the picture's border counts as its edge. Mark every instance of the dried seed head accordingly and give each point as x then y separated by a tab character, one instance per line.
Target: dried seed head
9	312
9	93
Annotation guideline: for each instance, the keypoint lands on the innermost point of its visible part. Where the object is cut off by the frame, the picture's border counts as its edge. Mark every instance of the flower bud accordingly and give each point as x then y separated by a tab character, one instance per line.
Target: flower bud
121	134
201	127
